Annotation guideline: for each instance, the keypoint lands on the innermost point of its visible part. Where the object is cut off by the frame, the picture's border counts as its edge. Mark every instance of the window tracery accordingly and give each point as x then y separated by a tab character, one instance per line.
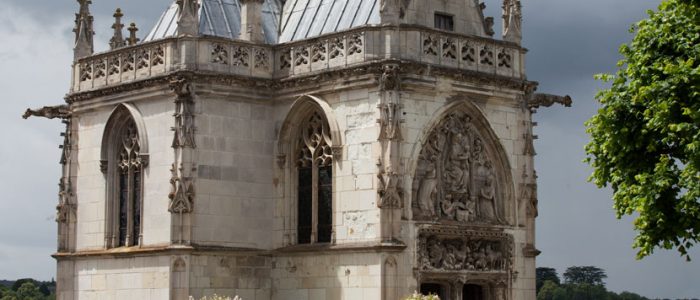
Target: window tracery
130	177
314	181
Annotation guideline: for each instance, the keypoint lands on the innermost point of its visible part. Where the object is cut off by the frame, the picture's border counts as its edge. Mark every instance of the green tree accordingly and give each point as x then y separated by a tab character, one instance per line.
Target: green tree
545	274
645	139
546	292
585	275
29	291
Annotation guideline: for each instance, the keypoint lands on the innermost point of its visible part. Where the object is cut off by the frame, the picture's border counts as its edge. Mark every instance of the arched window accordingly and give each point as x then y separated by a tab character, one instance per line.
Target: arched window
130	180
123	161
314	178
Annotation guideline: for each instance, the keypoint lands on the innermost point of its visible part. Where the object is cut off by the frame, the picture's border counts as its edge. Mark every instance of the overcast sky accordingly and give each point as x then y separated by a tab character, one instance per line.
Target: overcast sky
569	41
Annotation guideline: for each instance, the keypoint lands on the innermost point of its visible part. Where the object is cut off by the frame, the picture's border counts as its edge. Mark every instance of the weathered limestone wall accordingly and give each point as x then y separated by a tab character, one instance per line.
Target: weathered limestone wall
116	278
247	276
327	276
233	206
91	182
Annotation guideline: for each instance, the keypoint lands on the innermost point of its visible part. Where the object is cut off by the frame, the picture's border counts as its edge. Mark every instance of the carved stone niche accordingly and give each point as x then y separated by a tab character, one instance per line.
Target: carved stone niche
462	251
456	178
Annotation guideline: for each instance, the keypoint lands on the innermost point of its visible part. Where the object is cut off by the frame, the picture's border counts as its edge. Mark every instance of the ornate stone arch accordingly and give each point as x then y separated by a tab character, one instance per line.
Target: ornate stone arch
124	158
301	107
460	144
118	116
315	154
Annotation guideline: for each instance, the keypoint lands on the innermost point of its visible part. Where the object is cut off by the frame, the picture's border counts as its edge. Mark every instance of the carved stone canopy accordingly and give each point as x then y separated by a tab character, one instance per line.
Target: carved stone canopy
456	177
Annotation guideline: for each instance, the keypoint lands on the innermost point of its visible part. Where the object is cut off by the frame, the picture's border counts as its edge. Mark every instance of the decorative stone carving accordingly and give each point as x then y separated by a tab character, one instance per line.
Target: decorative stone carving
336	47
430	45
117	41
301	56
261	59
455	179
132	40
100	69
49	112
181	194
184	114
318	52
390	80
505	59
84	32
315	143
461	251
114	65
390	192
546	100
129	62
85	72
449	48
188	21
286	59
241	57
488	26
355	43
158	57
468	52
486	55
219	54
143	59
512	21
389	122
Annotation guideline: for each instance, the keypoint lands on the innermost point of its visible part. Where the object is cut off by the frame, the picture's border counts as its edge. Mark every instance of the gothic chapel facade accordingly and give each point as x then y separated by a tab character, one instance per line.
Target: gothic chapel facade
300	149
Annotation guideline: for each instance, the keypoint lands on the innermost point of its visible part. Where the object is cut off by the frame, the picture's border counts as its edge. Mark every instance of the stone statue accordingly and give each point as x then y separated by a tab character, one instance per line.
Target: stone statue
427	192
49	112
487	203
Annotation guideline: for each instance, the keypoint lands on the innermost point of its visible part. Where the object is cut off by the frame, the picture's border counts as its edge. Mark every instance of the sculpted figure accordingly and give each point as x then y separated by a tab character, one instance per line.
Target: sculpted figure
450	262
487	203
427	192
436	252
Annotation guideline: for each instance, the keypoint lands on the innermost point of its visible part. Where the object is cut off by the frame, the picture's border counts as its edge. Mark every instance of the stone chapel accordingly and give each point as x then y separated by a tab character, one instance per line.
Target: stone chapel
300	149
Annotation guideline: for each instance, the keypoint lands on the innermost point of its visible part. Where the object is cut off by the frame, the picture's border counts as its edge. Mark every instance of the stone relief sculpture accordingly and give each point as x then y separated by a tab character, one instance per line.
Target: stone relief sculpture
455	178
463	253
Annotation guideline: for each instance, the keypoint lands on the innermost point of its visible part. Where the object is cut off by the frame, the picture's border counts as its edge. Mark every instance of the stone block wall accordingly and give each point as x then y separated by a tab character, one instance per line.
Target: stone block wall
244	275
91	183
233	206
112	278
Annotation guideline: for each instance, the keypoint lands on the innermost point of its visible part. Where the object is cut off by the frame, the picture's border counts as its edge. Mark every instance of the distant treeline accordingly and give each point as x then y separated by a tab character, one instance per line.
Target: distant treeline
27	289
580	283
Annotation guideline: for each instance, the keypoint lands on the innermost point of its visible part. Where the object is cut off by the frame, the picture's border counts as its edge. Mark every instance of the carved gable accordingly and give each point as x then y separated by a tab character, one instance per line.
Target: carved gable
456	179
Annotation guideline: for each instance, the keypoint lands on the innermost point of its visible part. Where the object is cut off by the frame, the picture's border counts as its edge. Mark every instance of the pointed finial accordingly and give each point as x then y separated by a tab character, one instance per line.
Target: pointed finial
117	40
132	34
512	21
188	22
83	31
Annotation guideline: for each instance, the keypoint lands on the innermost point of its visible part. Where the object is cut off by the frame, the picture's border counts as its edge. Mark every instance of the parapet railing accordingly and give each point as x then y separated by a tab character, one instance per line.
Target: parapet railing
300	58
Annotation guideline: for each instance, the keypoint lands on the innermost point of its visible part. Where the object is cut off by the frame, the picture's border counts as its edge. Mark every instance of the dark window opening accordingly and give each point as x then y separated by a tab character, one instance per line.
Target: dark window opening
472	292
325	204
123	208
444	22
136	230
304	206
433	289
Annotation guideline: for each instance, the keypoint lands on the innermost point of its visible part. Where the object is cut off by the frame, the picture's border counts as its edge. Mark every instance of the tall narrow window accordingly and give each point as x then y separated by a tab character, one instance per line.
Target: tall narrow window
129	174
444	22
315	182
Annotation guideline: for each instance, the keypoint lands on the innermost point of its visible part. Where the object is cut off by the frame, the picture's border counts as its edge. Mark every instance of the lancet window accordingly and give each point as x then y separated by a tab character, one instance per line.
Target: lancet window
129	179
315	181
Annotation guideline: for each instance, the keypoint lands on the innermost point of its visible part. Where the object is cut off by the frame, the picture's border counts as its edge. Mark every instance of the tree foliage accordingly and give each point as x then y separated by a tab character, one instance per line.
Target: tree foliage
578	286
544	275
645	140
585	275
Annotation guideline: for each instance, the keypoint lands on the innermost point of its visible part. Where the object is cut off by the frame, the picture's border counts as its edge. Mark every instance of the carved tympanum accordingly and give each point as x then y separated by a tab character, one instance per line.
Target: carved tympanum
463	253
455	178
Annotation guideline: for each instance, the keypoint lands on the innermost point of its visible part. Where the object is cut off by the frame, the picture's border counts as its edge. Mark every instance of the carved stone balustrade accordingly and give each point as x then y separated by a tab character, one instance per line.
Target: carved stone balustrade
299	58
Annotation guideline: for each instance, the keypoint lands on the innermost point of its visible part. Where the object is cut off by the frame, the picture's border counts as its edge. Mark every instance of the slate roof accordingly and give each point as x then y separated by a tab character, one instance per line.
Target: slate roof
291	21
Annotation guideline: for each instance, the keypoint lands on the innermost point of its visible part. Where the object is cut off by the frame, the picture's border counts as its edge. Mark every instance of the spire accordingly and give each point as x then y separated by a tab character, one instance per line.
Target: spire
132	34
188	22
251	21
512	21
83	31
117	40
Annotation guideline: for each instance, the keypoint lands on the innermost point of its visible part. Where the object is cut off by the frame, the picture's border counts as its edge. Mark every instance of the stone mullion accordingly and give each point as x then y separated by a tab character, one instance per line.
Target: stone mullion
129	205
314	201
